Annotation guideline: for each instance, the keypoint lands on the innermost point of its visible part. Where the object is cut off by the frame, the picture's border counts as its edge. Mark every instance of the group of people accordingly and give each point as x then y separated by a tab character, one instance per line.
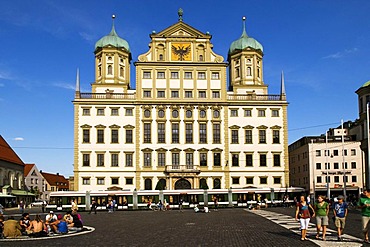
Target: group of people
53	224
161	206
321	208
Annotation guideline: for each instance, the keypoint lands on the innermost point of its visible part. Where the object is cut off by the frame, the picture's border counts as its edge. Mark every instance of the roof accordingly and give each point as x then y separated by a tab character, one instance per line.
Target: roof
112	39
28	168
366	84
56	180
8	154
244	42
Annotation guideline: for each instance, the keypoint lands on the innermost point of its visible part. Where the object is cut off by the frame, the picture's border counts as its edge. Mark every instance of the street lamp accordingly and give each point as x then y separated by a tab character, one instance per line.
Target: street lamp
344	167
327	166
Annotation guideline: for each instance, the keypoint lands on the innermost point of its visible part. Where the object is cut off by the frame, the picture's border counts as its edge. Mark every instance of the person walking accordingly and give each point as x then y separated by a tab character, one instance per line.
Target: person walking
93	207
364	204
340	210
215	201
21	207
180	204
322	220
302	214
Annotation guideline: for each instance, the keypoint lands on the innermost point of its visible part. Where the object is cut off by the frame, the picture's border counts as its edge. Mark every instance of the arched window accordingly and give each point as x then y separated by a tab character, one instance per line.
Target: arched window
148	184
217	183
237	74
121	71
201	58
99	70
110	70
160	57
203	184
249	71
161	185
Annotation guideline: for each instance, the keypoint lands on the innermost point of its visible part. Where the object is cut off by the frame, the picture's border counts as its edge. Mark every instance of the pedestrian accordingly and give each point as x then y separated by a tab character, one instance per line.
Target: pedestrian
74	205
110	206
215	201
93	207
180	204
21	207
364	204
114	204
302	214
322	220
340	210
1	209
43	205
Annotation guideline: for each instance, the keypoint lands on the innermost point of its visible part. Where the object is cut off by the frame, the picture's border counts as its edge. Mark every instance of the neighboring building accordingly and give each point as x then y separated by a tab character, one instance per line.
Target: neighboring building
310	163
11	176
71	182
54	182
182	127
34	181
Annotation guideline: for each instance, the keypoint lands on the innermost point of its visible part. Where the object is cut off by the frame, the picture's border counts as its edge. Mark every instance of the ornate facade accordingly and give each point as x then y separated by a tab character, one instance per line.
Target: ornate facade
182	127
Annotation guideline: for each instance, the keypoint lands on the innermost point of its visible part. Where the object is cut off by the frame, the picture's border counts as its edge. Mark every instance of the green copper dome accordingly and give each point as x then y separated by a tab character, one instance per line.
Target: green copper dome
366	84
112	39
245	41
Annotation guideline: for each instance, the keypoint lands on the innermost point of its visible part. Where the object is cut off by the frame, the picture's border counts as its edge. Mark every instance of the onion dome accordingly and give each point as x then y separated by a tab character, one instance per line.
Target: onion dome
366	84
112	39
245	41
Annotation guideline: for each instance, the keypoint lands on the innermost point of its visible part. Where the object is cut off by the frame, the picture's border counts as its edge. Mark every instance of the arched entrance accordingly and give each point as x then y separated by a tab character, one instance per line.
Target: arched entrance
182	184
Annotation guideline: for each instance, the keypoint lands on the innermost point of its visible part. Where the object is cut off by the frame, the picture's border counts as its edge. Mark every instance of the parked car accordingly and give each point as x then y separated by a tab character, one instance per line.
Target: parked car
38	203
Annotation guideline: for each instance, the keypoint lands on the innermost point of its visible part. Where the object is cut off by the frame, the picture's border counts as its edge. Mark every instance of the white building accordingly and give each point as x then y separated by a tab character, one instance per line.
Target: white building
181	127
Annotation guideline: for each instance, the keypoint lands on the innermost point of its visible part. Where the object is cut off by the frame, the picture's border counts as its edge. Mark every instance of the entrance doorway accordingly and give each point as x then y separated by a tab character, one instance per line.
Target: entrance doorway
182	184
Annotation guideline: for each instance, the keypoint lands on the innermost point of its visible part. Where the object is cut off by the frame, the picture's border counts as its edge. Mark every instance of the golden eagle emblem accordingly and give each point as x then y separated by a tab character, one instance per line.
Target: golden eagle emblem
181	51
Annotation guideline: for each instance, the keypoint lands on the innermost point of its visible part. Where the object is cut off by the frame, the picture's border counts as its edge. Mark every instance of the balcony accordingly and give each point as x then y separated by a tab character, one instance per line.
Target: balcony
255	97
108	95
182	169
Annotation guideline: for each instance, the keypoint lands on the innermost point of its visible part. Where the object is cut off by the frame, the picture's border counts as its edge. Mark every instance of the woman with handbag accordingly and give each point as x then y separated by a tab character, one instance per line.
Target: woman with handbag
302	214
322	220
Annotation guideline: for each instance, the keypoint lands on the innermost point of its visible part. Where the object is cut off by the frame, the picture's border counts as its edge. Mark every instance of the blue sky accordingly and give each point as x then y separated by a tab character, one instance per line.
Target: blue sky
322	46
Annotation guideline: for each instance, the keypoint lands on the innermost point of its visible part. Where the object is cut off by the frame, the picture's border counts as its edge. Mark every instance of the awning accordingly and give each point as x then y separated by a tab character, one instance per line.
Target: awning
22	193
4	195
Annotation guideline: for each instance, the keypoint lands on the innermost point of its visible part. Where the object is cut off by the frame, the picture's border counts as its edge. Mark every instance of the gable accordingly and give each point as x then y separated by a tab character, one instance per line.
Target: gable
180	29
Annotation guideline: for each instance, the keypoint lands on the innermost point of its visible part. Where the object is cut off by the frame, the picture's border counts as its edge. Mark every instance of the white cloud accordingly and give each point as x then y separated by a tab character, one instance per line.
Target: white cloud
65	86
88	37
18	139
340	54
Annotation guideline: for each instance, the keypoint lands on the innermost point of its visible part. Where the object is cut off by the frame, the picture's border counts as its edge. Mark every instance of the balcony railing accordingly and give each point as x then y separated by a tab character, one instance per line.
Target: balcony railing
130	96
182	168
255	97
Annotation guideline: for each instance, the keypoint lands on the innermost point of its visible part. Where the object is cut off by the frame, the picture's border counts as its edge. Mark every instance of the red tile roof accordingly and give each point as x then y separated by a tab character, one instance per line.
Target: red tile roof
28	168
8	154
53	179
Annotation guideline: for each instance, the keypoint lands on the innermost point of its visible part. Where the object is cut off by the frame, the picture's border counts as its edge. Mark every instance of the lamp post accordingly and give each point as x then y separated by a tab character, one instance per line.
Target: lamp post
326	153
368	145
344	167
313	171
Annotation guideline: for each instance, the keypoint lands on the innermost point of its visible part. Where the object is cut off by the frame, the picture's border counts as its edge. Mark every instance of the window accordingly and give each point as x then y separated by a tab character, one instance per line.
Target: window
216	159
215	76
189	133
114	138
161	159
188	75
147	133
85	181
318	153
203	159
275	136
129	136
216	133
174	94
249	71
202	113
148	184
161	94
129	160
114	112
100	111
216	94
353	165
263	180
110	70
121	71
217	183
175	113
335	152
277	180
161	133
114	159
248	160
100	160
235	160
275	113
161	113
353	152
188	94
86	136
147	159
175	133
247	113
216	113
234	136
175	160
336	165
100	181
249	180
202	133
277	160
147	75
262	136
86	112
235	180
354	179
129	181
100	138
248	136
115	181
261	113
202	94
147	113
147	94
129	112
233	113
263	160
189	113
189	160
336	179
86	160
174	75
160	75
202	75
318	166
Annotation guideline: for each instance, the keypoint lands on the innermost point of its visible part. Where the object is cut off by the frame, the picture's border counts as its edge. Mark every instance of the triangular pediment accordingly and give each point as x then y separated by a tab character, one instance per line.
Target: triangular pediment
181	29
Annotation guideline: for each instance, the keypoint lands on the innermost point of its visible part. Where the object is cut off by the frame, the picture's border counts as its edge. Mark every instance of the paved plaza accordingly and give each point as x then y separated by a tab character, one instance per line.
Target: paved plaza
226	227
